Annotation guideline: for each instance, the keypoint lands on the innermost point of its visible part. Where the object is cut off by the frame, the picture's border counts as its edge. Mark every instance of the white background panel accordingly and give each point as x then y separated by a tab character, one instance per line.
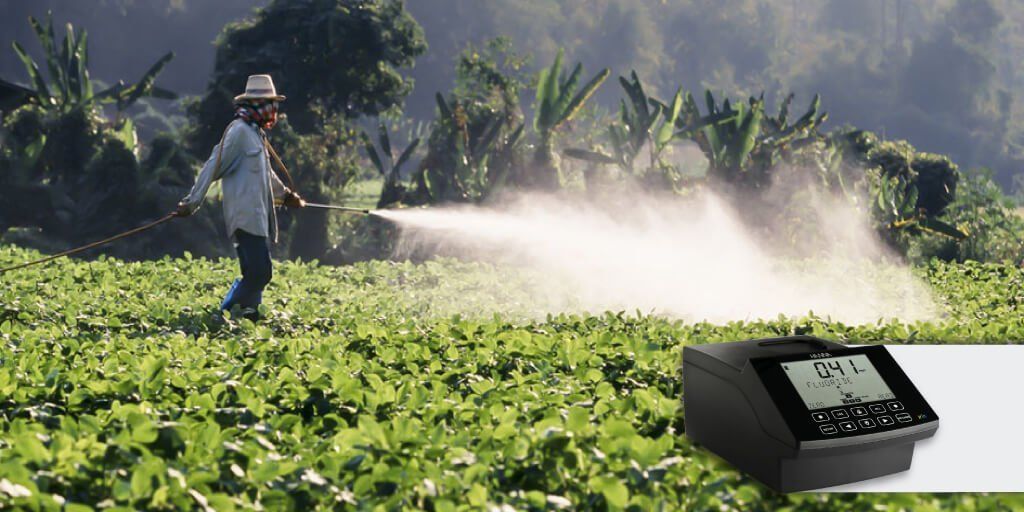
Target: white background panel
978	393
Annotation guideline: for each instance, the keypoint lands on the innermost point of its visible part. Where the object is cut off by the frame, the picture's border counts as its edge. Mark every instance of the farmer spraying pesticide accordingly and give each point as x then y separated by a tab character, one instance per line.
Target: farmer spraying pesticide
250	186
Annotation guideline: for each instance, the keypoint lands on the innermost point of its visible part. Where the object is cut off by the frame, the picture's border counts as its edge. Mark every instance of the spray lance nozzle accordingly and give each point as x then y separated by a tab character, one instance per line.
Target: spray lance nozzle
348	209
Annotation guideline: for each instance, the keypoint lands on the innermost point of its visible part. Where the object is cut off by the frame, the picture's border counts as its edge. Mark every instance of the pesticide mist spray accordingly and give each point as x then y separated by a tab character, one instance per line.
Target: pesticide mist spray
693	260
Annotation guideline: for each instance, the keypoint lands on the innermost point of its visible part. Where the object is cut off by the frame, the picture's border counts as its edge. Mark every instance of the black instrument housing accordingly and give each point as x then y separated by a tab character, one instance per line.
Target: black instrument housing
739	403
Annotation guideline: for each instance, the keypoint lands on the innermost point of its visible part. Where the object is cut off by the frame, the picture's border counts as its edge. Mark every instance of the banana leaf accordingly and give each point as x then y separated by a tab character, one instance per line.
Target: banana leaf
112	92
374	157
909	200
812	112
942	228
671	113
547	94
635	90
76	66
588	90
434	184
931	225
85	91
125	132
620	142
590	156
566	91
650	119
46	40
385	140
711	133
516	136
442	106
163	94
143	86
740	148
685	130
486	140
404	157
42	91
709	99
884	194
784	111
66	56
656	103
691	113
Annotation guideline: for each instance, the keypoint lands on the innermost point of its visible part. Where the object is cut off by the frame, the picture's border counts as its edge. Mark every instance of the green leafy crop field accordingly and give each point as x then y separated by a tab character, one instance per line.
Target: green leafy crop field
364	389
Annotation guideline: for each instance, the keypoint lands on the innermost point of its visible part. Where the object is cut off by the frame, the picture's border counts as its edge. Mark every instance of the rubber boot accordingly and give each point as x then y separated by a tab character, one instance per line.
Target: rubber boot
229	298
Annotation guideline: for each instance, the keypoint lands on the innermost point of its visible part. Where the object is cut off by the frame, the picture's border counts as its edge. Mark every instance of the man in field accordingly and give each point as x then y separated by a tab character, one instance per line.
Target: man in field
242	162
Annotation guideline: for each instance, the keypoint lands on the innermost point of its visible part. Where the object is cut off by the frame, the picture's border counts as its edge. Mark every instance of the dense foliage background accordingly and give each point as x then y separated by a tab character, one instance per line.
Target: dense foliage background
99	156
940	73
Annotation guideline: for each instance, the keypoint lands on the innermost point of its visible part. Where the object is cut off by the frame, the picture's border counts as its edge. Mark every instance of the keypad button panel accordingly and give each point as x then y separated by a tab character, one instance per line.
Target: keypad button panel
861	419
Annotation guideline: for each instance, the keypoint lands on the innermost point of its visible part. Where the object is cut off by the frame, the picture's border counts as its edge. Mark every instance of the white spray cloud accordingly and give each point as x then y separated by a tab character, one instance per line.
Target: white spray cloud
690	259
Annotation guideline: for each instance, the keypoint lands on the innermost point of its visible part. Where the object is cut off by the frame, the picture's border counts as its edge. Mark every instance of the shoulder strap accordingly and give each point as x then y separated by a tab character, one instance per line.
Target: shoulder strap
279	164
220	149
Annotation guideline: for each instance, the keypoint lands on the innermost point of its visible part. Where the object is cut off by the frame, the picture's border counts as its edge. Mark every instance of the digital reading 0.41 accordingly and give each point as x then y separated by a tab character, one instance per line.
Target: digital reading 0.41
837	381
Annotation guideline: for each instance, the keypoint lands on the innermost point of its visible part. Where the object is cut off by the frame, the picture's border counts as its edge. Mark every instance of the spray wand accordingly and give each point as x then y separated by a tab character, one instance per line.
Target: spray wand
339	208
349	209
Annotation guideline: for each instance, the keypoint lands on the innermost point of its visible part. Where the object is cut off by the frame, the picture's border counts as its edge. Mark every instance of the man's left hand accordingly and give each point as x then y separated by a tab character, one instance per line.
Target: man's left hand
293	200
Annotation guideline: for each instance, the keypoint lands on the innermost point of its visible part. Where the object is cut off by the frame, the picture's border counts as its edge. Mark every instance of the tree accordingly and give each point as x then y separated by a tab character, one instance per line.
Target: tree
341	55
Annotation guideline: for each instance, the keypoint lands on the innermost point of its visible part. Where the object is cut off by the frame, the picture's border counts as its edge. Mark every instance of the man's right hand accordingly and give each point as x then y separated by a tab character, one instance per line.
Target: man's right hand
183	210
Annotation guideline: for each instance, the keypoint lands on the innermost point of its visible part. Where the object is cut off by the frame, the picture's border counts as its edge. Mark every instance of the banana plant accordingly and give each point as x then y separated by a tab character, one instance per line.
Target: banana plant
389	167
896	201
645	121
69	86
559	99
745	151
469	155
730	145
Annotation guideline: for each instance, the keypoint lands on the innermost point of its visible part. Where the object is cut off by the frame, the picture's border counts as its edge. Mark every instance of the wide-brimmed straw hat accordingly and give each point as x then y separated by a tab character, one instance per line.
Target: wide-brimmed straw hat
259	87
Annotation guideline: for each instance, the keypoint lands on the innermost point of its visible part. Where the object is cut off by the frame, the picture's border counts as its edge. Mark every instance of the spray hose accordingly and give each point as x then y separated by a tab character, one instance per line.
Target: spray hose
146	227
86	247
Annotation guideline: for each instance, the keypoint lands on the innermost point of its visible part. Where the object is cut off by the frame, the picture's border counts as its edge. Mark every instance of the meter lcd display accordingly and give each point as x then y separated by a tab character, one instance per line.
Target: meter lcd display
837	381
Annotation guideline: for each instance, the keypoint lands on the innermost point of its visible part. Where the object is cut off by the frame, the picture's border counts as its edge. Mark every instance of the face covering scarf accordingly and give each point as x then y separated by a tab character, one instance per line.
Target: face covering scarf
261	115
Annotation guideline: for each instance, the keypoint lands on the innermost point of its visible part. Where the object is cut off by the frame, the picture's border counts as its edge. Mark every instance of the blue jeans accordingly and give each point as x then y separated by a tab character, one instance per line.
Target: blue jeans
254	259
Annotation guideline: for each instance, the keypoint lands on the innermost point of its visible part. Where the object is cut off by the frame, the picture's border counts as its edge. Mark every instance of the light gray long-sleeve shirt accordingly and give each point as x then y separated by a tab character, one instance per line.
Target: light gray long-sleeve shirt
248	183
